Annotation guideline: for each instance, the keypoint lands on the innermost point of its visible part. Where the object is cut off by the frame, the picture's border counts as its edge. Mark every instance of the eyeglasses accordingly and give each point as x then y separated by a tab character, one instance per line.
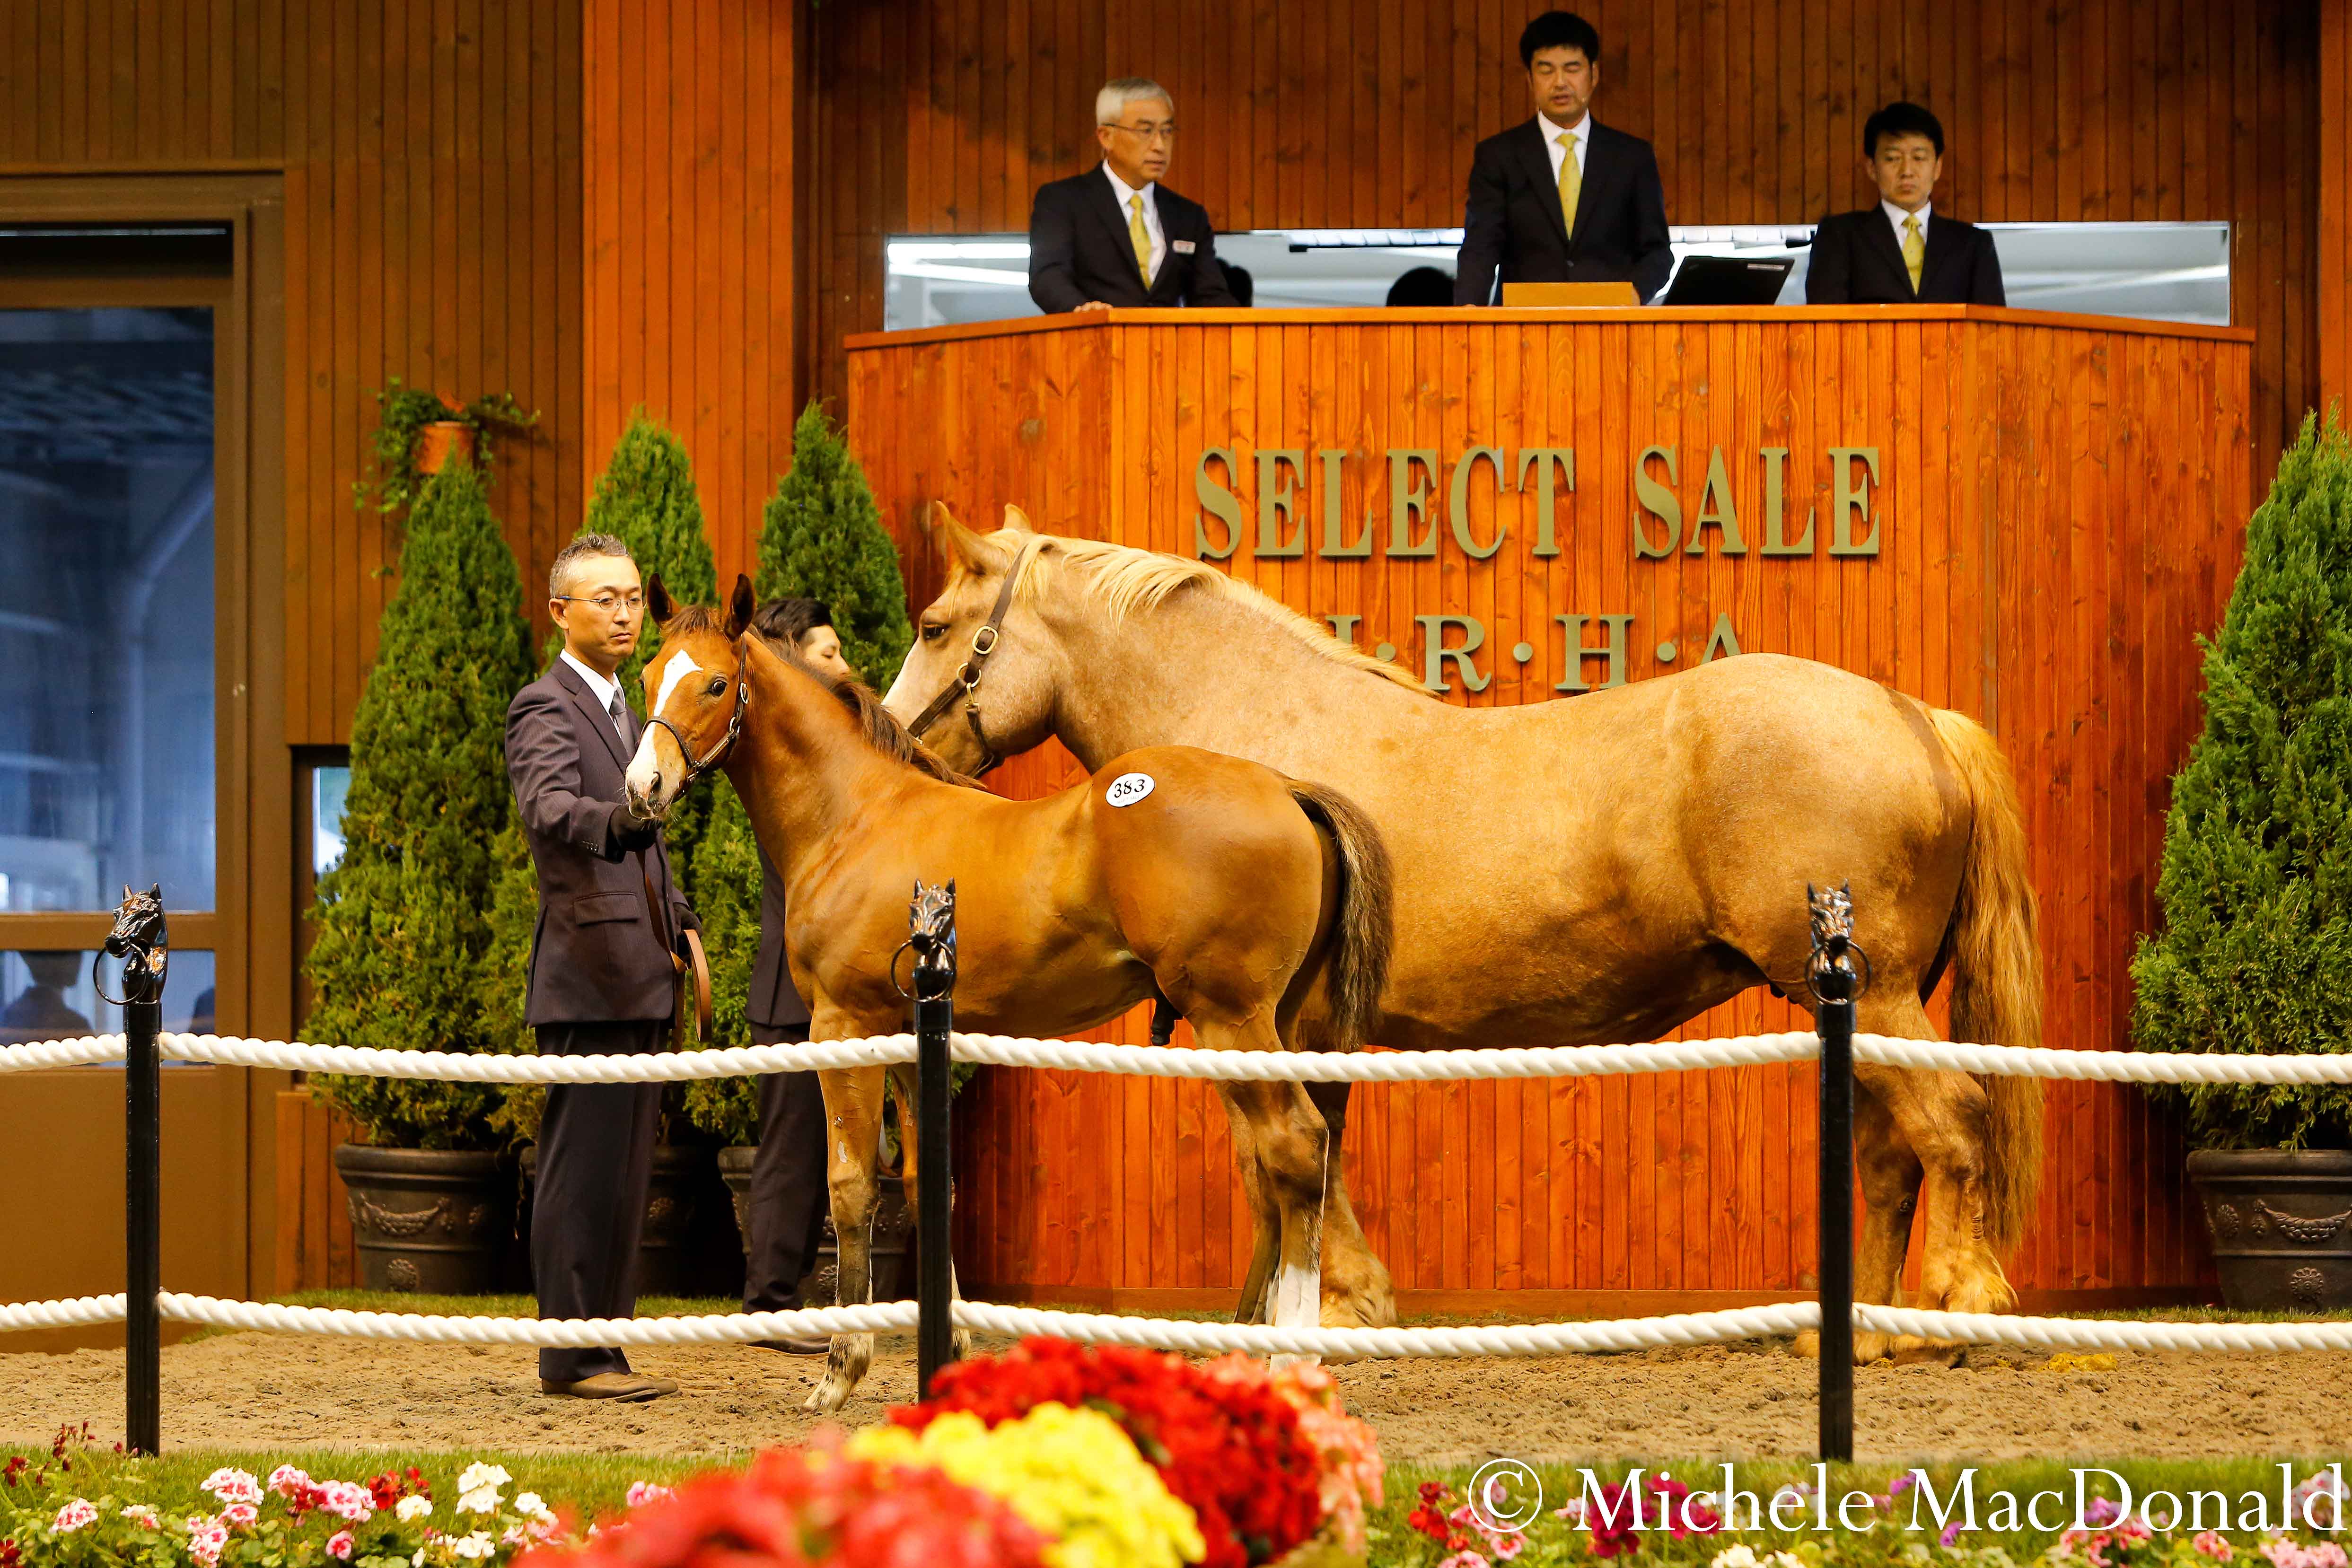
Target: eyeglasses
1149	132
606	604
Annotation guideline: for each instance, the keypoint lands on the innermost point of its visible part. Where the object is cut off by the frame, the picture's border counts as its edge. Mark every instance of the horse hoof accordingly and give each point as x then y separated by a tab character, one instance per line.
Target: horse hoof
826	1397
1911	1351
961	1345
1867	1347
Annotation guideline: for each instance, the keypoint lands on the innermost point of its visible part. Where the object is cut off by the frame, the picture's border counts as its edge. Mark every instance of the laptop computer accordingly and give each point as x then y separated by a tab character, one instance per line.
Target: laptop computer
1729	280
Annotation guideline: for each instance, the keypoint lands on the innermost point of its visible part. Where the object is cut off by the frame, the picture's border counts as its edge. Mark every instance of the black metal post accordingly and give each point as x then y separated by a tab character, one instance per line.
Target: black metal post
140	940
933	918
1838	972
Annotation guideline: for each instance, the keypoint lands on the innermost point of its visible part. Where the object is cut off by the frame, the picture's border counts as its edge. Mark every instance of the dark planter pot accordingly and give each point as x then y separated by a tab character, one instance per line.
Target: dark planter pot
426	1220
894	1230
2282	1227
666	1254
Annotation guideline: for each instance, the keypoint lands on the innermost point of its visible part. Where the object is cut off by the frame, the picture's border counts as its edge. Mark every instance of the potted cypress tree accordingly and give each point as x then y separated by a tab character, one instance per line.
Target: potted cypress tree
646	499
402	922
820	537
2255	954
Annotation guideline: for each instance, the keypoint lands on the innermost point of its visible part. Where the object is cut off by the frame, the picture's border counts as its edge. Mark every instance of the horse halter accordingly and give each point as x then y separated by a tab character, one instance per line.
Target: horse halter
984	639
696	766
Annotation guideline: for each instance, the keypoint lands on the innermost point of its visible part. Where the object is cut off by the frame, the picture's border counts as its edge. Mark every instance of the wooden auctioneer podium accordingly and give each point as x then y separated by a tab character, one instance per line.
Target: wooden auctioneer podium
2024	515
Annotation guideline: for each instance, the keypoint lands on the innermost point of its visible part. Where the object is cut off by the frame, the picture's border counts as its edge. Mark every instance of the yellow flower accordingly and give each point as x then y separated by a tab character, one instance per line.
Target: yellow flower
1073	1474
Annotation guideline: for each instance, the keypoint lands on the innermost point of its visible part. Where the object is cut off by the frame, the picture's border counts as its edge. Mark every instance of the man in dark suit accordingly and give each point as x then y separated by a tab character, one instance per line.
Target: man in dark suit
1115	235
604	965
1563	198
1897	253
788	1197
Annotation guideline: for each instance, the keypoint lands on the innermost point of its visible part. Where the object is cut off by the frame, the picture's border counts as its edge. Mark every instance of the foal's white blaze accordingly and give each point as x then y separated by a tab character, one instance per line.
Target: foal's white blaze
643	769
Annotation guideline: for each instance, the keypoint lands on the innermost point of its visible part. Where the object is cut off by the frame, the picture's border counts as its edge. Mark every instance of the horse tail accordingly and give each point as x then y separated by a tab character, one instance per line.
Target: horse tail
1997	968
1357	965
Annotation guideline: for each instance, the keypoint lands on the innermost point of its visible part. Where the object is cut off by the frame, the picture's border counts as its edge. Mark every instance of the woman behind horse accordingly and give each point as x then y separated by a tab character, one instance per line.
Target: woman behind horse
1219	884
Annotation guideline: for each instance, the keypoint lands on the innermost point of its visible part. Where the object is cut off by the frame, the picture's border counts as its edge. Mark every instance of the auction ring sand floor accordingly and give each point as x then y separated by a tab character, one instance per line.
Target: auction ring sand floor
1750	1399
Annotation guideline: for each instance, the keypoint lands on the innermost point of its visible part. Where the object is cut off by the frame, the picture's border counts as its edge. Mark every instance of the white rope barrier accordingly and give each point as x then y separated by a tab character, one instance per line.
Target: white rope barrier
1382	1066
727	1328
1512	1339
2103	1066
84	1051
1176	1061
660	1067
2079	1334
65	1315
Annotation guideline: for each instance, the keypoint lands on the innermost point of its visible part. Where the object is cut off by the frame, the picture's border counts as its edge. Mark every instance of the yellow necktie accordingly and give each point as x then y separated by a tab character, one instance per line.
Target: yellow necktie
1914	249
1140	237
1571	180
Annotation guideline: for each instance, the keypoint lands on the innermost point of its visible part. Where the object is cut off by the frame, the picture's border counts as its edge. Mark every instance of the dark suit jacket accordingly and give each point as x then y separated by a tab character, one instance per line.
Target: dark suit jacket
1079	249
595	957
1857	260
773	1001
1514	231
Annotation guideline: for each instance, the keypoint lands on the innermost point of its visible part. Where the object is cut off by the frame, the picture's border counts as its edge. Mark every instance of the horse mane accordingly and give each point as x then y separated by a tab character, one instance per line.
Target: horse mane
1125	579
884	733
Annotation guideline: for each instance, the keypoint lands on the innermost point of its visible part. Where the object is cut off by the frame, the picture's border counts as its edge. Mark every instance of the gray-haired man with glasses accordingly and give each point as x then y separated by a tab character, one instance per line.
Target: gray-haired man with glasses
603	961
1115	235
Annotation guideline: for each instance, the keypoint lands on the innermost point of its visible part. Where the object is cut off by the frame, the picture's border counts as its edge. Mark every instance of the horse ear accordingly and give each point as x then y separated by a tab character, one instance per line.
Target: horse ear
740	607
970	550
1014	517
156	893
658	604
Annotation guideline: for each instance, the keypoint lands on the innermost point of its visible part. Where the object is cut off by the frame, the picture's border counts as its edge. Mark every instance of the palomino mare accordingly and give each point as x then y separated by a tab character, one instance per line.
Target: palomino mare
1570	872
1233	892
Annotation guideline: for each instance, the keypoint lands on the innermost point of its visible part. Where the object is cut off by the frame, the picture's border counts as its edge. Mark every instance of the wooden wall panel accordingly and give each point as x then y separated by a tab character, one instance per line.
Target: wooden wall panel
691	289
432	167
1365	118
2334	210
2060	523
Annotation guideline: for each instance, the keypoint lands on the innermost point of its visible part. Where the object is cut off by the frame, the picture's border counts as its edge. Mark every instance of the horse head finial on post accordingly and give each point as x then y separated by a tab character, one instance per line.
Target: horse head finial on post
930	932
142	939
1838	961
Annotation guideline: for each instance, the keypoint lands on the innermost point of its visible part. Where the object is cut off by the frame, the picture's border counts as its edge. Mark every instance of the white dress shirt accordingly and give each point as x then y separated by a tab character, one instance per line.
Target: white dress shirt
603	689
1125	191
1553	130
1895	215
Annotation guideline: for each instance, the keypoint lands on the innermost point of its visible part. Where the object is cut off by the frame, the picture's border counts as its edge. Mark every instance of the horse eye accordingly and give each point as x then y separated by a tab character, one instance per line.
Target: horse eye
718	685
933	630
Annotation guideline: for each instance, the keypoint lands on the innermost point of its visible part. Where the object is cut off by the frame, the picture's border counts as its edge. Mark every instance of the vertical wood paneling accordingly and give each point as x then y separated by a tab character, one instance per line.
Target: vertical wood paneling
1364	114
689	289
2025	461
424	232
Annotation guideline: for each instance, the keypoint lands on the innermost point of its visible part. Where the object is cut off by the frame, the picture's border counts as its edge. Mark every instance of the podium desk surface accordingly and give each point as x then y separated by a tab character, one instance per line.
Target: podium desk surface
1550	316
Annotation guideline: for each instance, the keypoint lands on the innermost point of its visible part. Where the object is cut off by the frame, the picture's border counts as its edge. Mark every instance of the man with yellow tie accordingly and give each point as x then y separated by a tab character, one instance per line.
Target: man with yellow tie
1562	198
1899	252
1115	235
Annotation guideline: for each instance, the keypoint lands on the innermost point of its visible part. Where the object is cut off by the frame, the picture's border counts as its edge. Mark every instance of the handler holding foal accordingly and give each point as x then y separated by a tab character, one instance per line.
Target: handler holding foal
602	966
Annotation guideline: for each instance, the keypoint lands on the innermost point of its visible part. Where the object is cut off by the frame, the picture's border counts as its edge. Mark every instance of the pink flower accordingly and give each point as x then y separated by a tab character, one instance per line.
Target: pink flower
643	1492
1949	1533
240	1515
2214	1546
339	1545
233	1485
2103	1510
347	1500
206	1538
74	1515
288	1482
1465	1560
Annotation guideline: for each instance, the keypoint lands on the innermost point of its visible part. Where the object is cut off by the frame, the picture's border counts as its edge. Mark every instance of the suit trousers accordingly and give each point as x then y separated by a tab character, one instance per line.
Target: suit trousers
789	1197
595	1168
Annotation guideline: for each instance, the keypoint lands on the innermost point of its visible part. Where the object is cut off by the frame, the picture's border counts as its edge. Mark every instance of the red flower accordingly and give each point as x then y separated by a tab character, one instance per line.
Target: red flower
12	1473
787	1511
1230	1450
1429	1523
9	1556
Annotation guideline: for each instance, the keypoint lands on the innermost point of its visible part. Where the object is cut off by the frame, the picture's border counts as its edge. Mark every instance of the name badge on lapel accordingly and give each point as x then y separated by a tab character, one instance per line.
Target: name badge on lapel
1182	247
